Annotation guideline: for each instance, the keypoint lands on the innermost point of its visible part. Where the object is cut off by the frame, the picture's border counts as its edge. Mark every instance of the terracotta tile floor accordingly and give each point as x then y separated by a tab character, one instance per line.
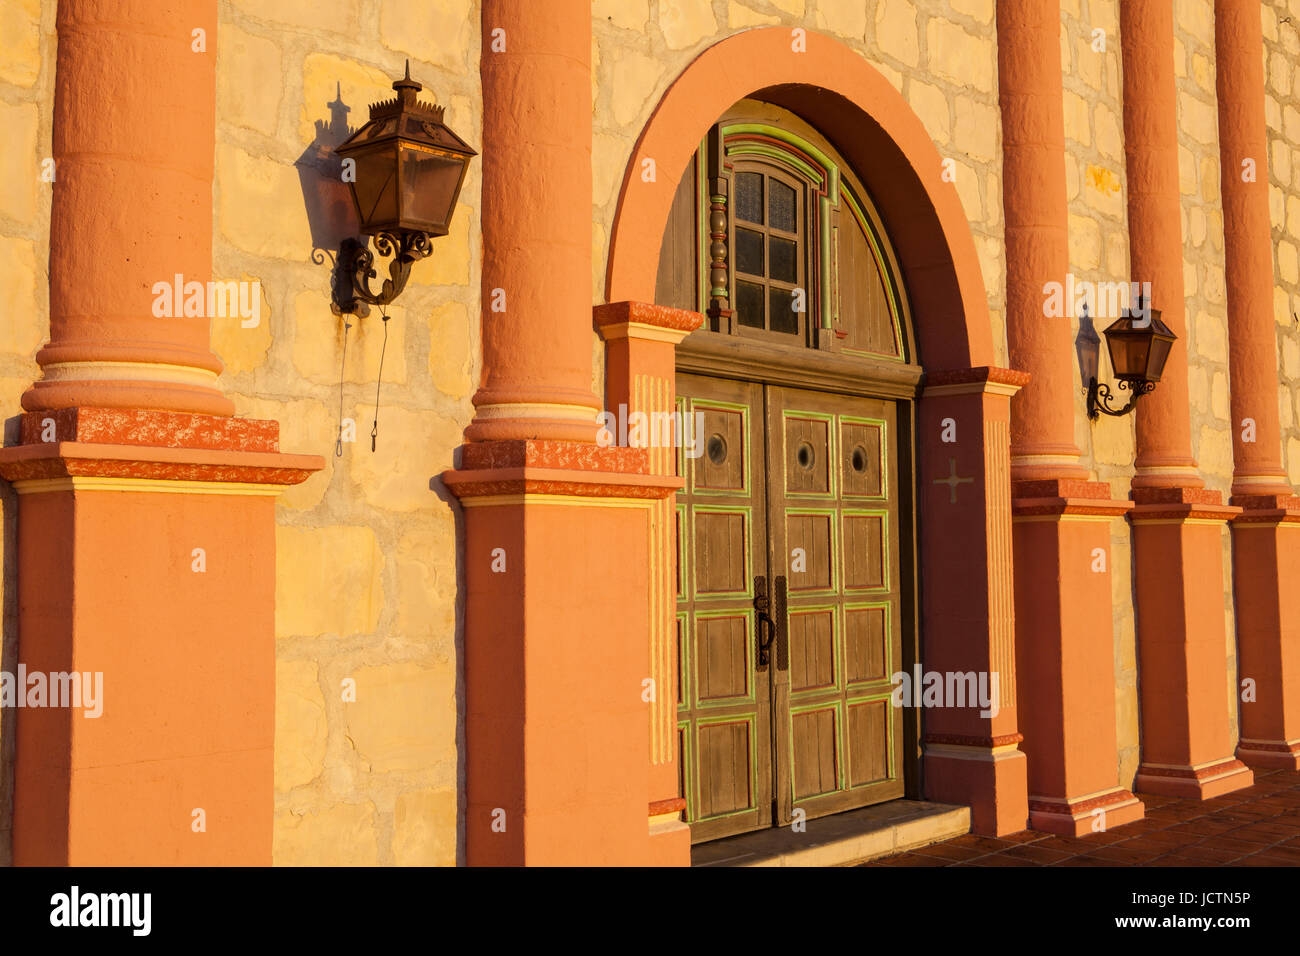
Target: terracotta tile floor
1258	826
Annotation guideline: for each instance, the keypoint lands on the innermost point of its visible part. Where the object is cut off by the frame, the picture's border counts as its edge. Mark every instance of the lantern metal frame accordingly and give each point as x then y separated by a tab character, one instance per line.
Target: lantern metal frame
1100	394
404	122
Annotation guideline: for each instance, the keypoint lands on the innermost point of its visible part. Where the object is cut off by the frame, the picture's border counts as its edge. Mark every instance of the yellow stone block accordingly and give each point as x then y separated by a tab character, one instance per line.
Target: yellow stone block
242	349
23	326
412	448
1186	171
260	206
319	341
977	129
300	725
1214	452
848	18
896	32
20	51
966	182
425	561
1117	260
20	162
404	717
1112	439
328	580
342	835
1109	132
1085	243
1287	265
1197	18
1203	72
685	23
1219	396
793	7
981	10
1071	179
1180	58
335	16
962	57
424	828
409	26
1293	460
1211	333
1088	61
1281	165
244	97
325	77
1291	123
1196	224
1104	192
450	262
931	104
989	251
1290	358
740	16
1276	207
307	427
633	81
626	14
1210	179
1077	120
452	348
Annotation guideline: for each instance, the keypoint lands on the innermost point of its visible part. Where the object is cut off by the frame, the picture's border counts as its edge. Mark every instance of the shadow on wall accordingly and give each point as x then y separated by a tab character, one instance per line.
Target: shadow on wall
325	196
8	649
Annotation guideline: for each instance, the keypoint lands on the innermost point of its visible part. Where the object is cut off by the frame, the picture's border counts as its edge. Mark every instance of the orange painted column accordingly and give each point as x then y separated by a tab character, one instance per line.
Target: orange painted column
536	73
1063	604
971	753
559	604
1177	523
1266	536
132	207
640	378
146	523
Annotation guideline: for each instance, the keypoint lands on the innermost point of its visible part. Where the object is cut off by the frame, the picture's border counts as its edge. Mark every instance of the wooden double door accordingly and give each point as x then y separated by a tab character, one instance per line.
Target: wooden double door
788	623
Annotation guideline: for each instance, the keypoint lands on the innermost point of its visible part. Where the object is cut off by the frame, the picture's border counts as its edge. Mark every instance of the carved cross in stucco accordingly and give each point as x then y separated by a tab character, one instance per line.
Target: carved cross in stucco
952	481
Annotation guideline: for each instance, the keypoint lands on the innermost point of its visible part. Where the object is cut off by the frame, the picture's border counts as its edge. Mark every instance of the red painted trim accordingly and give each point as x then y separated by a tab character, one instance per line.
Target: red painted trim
661	316
120	426
671	805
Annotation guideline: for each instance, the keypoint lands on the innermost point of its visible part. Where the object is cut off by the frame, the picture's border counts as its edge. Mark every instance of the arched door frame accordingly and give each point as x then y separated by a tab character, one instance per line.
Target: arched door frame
963	501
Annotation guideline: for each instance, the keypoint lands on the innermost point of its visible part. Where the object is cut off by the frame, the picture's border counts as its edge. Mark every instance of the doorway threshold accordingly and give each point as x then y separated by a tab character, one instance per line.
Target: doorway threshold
842	838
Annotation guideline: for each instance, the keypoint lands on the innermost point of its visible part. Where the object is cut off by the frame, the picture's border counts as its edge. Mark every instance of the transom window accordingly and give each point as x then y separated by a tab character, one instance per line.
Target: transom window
768	251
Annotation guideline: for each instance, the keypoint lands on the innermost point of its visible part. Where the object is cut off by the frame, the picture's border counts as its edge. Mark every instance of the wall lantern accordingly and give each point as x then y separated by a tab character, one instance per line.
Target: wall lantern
1139	345
409	167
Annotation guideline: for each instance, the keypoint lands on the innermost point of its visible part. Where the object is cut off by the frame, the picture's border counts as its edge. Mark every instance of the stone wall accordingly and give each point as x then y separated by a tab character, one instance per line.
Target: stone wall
366	587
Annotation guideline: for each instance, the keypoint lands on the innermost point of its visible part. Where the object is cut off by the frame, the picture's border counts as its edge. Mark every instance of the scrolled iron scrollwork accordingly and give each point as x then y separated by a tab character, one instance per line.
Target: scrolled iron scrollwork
1100	395
356	267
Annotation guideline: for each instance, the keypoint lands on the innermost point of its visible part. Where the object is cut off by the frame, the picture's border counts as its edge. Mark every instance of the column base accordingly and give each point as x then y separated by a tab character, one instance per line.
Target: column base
1204	783
991	780
1270	754
1080	817
670	835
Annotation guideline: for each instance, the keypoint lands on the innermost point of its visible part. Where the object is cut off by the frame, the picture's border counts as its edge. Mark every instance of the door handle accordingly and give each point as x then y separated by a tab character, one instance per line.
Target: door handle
780	618
765	626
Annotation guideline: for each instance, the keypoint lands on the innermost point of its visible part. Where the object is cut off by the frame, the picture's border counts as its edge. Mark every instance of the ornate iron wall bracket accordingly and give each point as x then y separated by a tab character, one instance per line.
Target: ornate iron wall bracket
1099	396
356	267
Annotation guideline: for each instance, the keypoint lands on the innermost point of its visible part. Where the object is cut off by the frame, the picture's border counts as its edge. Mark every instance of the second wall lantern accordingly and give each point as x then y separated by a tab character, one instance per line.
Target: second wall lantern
405	175
1139	345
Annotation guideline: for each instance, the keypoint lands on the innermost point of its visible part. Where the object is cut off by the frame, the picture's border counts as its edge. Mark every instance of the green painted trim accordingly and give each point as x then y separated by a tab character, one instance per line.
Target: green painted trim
891	291
837	570
836	706
683	555
751	684
825	262
687	757
751	722
837	633
746	489
781	156
888	606
884	456
883	515
892	772
683	660
793	139
748	513
832	446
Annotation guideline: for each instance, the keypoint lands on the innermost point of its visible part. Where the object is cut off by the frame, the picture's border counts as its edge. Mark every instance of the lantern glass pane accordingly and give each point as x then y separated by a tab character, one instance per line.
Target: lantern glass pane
1159	355
376	187
1128	355
430	182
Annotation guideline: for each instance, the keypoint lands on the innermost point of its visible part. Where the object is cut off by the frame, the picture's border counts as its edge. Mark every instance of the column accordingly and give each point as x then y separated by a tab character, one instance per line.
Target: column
146	521
1064	623
558	530
1266	536
1177	522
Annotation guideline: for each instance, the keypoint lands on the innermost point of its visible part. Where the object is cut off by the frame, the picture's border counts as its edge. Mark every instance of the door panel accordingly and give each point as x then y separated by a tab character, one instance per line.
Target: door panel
790	516
724	713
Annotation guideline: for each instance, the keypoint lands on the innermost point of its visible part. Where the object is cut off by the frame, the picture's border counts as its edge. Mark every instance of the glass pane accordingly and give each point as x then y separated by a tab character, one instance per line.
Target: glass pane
376	188
782	265
749	304
749	252
784	317
430	182
780	206
749	197
1159	355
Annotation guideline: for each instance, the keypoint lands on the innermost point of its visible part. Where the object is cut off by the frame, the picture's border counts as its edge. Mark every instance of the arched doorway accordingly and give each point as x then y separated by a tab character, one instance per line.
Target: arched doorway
794	529
963	605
